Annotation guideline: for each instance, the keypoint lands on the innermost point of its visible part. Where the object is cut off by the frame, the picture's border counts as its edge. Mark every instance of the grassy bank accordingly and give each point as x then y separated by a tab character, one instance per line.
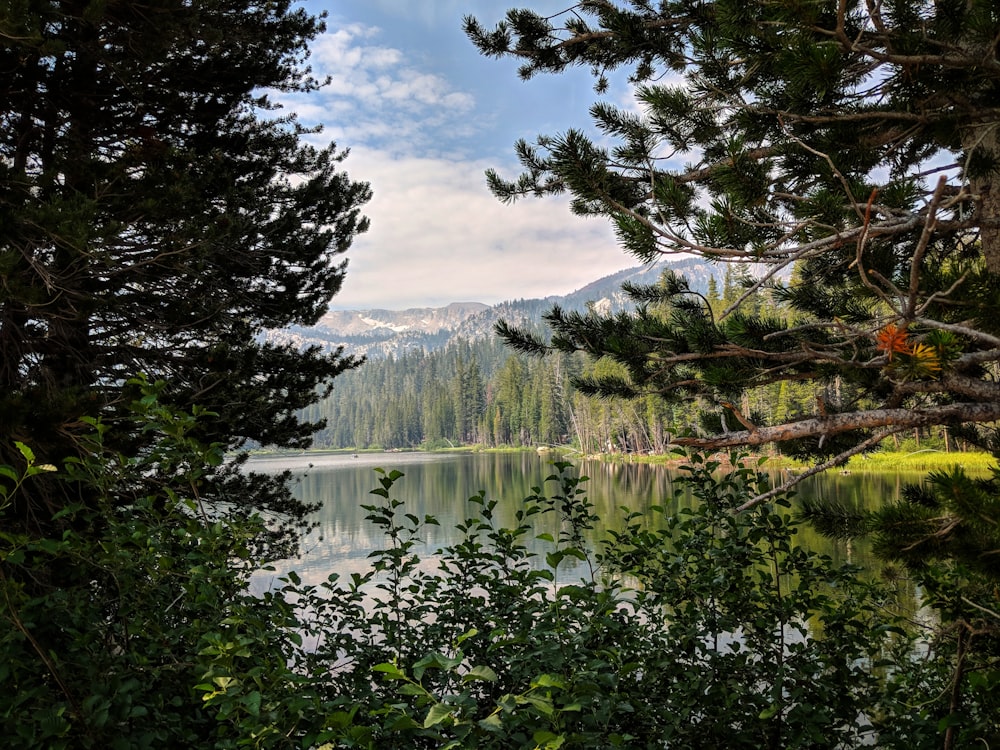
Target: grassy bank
922	460
927	459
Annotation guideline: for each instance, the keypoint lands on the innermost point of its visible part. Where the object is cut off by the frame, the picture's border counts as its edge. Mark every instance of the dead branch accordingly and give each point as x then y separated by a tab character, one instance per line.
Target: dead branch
858	420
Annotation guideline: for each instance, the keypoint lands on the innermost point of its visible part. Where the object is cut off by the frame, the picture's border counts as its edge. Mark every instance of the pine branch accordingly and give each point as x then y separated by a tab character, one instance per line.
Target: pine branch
521	340
835	519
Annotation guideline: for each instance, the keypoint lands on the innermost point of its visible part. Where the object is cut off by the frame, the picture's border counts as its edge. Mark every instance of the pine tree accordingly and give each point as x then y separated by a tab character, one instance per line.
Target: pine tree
713	297
855	144
157	215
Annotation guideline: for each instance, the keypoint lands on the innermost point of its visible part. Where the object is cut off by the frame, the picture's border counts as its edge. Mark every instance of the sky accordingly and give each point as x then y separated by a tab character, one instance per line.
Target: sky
424	115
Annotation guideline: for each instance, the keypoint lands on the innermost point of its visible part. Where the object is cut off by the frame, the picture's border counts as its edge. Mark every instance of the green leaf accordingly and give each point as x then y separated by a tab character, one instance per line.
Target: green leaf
480	673
391	671
438	660
438	713
950	720
548	740
547	680
404	722
28	454
491	723
543	705
466	635
252	702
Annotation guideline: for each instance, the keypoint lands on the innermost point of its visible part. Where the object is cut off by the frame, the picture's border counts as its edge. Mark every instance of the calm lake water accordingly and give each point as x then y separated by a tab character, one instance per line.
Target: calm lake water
440	485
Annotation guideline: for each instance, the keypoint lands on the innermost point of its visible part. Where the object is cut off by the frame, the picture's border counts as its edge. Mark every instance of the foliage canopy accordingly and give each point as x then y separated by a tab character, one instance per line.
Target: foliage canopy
846	153
734	636
157	214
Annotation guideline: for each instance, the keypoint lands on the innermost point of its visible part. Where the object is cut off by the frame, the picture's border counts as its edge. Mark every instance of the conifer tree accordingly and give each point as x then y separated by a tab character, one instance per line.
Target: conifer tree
852	143
157	214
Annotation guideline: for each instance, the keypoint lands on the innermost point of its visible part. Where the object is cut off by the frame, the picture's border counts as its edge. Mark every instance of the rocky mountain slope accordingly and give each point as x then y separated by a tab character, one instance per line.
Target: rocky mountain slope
377	333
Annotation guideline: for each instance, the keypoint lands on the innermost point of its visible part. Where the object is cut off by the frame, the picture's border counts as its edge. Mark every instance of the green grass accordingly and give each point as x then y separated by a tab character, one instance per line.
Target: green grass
919	460
922	460
883	461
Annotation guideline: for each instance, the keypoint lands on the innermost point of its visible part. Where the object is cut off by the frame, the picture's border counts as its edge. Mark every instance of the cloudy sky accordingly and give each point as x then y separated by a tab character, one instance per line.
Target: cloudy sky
424	115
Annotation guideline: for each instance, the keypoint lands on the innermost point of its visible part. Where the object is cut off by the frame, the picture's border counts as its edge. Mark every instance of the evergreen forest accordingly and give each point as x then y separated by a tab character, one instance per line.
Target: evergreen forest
479	392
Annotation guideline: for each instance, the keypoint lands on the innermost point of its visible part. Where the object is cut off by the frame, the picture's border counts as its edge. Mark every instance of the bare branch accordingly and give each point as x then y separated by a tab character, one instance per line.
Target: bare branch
969	387
837	460
858	420
826	157
859	262
942	295
961	330
921	249
981	608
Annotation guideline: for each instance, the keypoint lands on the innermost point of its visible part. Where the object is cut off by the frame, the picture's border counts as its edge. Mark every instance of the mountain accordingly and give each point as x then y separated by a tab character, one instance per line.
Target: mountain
419	319
382	332
378	333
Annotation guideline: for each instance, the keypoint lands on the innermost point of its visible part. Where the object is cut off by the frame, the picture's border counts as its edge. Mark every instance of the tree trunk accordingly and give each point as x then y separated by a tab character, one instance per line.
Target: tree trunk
983	142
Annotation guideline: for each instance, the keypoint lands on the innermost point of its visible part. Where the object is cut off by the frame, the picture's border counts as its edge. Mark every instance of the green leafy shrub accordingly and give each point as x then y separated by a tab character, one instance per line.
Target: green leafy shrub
113	628
136	627
715	630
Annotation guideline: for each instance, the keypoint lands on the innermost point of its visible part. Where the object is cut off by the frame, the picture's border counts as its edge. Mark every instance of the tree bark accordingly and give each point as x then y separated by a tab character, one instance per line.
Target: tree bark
985	139
837	423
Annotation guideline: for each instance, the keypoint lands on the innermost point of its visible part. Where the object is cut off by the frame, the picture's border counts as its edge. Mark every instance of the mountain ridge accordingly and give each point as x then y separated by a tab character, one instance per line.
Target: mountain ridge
380	332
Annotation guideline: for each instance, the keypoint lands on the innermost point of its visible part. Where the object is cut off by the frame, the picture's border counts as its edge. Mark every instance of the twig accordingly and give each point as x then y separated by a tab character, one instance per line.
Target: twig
863	273
918	255
981	608
826	157
46	660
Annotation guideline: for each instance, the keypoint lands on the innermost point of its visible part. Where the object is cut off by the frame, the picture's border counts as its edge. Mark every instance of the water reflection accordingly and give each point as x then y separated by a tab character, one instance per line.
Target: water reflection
440	485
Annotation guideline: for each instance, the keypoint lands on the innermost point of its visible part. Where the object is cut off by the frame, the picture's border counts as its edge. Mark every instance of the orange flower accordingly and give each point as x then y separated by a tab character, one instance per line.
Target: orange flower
892	339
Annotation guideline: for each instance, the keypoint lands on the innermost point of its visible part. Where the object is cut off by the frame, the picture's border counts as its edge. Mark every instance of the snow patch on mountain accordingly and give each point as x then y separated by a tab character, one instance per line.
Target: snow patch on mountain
379	333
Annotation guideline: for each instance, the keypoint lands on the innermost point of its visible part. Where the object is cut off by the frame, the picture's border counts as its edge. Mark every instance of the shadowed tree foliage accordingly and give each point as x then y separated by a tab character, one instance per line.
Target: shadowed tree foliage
157	214
951	517
846	152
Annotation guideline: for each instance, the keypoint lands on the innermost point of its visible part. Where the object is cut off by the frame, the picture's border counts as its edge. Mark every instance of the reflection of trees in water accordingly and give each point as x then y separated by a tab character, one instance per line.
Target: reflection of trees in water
442	487
856	491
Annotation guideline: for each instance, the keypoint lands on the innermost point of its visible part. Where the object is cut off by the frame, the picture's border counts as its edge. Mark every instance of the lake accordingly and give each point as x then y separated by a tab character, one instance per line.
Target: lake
440	484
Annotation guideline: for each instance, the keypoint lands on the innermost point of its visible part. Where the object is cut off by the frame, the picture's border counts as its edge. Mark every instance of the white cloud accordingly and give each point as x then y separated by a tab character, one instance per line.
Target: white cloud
439	236
379	97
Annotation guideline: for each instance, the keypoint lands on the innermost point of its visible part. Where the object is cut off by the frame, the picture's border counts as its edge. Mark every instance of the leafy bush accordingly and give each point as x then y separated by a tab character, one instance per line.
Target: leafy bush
714	631
111	625
136	627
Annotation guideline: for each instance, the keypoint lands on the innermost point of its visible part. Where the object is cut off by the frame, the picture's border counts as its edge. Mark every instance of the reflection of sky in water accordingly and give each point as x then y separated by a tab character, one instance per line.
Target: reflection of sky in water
440	485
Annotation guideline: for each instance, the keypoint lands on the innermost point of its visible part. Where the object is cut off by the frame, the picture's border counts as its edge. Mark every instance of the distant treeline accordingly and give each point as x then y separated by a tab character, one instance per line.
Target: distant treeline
480	392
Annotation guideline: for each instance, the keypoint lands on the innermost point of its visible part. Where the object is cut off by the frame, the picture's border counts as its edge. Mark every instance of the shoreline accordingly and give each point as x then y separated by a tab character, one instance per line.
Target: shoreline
926	459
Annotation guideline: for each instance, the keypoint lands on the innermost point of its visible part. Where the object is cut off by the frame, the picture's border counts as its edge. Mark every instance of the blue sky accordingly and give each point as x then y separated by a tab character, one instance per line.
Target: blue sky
424	115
